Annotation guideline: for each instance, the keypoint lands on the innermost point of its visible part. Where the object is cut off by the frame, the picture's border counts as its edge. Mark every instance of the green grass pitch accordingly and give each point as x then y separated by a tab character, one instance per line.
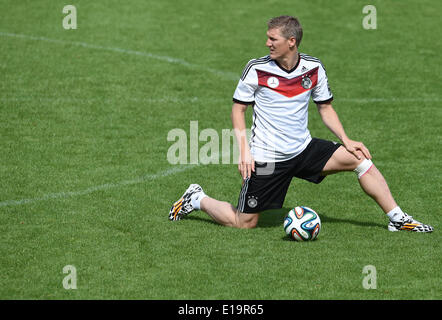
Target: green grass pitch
84	176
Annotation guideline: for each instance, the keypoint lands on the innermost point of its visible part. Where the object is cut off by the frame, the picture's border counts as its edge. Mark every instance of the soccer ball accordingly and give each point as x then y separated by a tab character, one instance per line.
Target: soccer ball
302	223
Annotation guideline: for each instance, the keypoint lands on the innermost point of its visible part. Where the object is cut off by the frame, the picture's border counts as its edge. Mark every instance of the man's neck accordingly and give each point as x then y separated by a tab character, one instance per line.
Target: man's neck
290	61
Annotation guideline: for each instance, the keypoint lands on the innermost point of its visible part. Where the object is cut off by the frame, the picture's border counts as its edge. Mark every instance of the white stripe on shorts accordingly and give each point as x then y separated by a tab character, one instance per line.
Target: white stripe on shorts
242	195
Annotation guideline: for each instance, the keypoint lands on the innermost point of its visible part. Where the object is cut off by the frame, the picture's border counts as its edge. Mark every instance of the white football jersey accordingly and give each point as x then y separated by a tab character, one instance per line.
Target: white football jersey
280	101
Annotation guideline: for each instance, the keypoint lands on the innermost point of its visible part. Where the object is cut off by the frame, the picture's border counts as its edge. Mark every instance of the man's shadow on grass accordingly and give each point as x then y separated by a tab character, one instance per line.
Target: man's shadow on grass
275	218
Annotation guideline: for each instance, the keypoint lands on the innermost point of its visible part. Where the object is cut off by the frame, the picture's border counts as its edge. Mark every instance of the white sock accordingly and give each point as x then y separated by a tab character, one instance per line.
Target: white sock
396	214
196	199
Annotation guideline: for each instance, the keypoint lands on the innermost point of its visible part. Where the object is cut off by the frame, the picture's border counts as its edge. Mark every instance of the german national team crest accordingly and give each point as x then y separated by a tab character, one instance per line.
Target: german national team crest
252	202
306	83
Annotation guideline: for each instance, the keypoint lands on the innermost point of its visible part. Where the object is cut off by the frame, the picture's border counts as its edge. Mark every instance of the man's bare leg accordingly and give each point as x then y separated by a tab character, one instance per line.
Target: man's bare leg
227	215
372	182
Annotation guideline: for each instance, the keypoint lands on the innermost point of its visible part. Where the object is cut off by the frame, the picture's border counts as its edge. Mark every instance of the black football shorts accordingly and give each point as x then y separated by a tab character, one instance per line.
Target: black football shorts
267	187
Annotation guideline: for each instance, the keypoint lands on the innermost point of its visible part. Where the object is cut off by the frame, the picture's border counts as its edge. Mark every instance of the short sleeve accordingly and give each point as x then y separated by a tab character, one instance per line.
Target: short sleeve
247	85
321	93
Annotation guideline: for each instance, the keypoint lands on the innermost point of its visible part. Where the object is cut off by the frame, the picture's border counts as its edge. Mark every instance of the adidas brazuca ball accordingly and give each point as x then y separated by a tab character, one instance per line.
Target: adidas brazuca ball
302	224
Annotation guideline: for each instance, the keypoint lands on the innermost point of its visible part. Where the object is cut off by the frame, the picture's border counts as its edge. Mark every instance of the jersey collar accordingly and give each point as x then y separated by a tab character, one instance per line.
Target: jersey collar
291	70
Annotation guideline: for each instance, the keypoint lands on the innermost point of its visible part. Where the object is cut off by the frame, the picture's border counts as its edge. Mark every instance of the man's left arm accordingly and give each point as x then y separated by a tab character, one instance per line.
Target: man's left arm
331	120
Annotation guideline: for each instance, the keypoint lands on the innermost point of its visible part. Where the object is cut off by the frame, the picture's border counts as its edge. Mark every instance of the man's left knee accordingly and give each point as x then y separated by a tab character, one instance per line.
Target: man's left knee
249	221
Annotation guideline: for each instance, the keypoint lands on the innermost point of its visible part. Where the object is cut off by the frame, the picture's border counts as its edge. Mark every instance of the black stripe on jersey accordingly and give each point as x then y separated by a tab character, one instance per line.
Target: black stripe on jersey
243	102
308	57
253	127
253	63
265	58
312	59
324	101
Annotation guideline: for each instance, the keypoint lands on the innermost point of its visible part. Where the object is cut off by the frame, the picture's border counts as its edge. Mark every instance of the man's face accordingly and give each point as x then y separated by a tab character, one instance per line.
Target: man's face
278	45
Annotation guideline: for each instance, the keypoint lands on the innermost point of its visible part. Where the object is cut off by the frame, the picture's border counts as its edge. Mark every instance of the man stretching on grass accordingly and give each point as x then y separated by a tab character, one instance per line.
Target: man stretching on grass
279	87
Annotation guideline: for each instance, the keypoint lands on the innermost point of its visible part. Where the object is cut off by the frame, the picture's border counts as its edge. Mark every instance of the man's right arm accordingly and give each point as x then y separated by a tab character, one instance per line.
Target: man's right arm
246	163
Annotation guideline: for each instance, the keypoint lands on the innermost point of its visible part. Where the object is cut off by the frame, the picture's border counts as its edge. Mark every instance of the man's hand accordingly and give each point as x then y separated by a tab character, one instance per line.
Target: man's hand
357	149
246	164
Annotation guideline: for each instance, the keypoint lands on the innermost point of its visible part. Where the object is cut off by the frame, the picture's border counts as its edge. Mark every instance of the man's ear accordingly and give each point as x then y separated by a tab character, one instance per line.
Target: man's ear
292	42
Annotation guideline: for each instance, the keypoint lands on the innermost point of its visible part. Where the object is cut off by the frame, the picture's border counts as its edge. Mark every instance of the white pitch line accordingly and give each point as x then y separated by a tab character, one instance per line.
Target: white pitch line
173	170
389	100
224	74
102	187
108	100
205	99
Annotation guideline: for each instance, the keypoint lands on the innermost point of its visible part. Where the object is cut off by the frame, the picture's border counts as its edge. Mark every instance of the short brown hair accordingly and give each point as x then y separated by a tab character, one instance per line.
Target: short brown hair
288	26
